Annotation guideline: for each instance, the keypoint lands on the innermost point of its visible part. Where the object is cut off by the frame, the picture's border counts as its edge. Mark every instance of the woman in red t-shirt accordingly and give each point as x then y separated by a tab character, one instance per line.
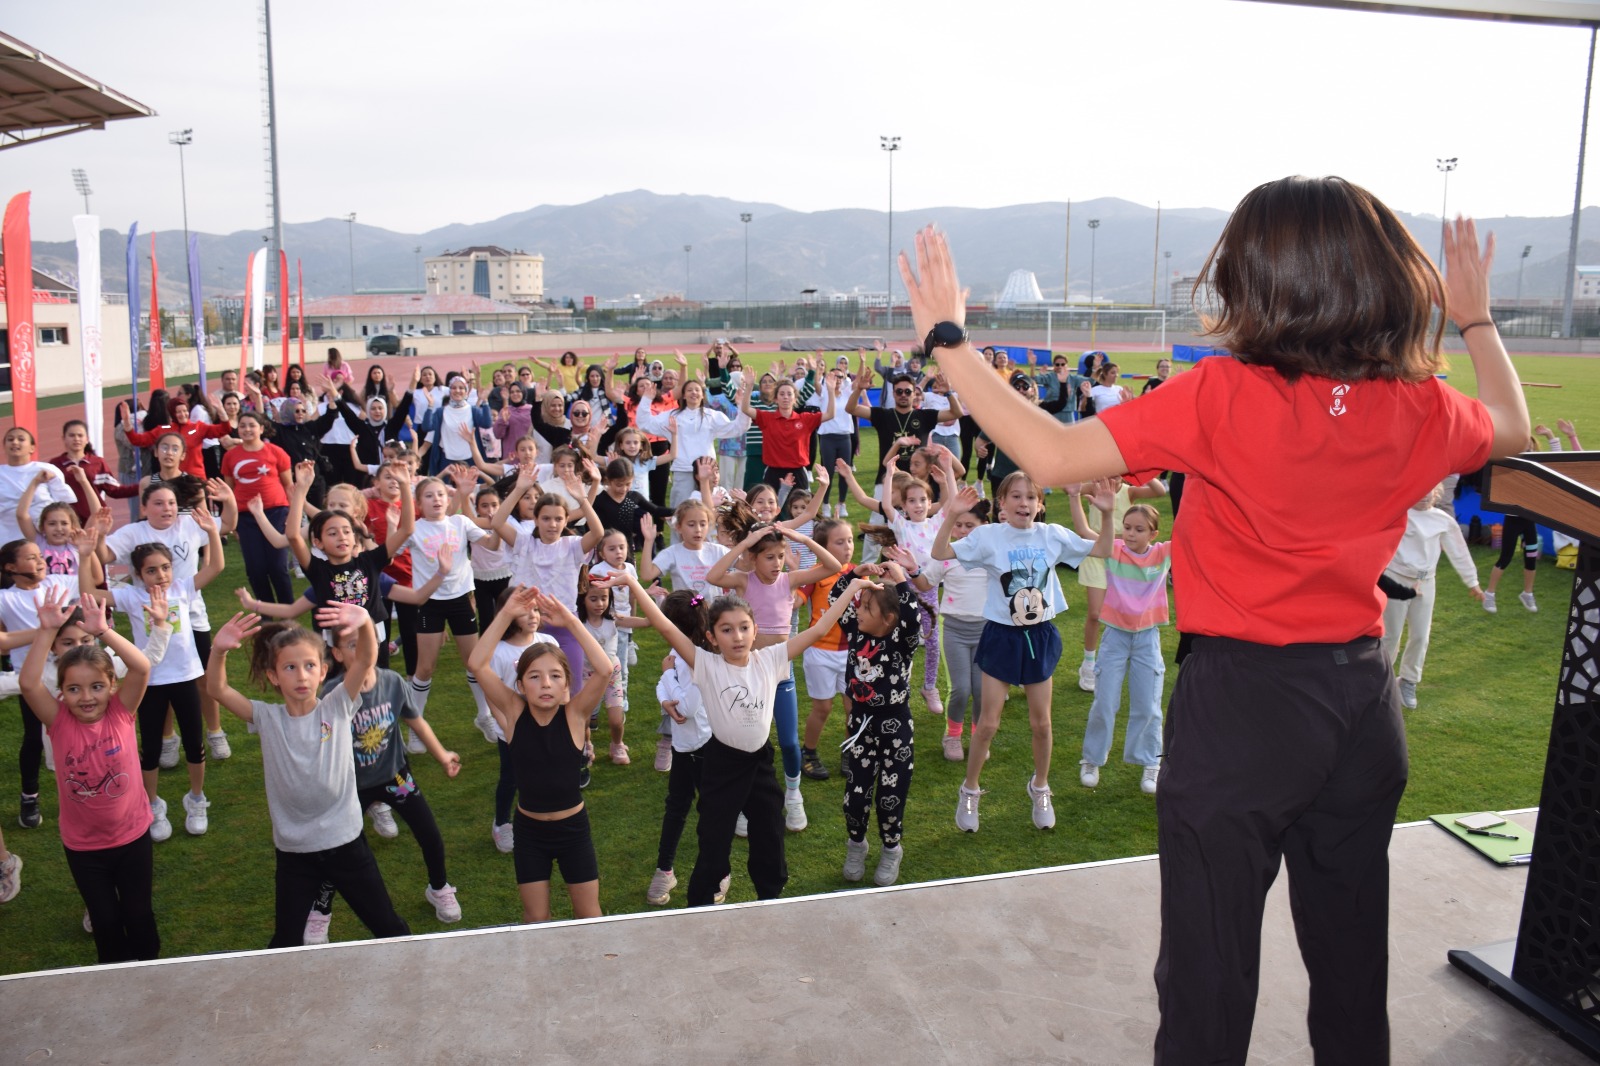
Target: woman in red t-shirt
193	433
259	469
1284	735
786	434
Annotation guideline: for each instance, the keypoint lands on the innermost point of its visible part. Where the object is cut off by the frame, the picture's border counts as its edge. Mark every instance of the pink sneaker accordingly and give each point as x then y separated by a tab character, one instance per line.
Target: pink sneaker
619	755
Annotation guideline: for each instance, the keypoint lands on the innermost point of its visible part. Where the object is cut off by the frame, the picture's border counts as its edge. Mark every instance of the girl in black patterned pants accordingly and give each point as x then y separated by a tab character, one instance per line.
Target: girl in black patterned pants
883	629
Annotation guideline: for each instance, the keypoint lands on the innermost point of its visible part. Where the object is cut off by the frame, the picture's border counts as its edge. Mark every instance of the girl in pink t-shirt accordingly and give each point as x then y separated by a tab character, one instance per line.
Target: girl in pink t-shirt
105	818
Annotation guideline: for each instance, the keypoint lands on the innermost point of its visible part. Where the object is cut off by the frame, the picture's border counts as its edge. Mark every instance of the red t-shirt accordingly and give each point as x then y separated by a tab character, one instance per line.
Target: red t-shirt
786	442
1297	493
103	804
256	473
399	566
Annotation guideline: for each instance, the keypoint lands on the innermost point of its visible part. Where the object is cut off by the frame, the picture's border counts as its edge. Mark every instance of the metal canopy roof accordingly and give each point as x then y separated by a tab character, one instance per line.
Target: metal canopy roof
41	98
1585	13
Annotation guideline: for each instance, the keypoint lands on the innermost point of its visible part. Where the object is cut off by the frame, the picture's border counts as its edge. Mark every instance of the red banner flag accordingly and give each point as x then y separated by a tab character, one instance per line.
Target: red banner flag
300	309
283	309
158	370
244	323
16	242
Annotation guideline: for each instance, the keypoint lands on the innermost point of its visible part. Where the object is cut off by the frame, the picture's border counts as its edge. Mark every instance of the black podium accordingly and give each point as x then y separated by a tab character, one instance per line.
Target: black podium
1551	971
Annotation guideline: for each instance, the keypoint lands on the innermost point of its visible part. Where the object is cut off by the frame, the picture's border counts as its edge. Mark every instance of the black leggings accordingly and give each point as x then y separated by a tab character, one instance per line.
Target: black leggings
774	475
836	446
484	595
683	781
407	615
969	433
266	567
659	476
352	870
116	886
505	789
413	810
184	699
1516	526
31	755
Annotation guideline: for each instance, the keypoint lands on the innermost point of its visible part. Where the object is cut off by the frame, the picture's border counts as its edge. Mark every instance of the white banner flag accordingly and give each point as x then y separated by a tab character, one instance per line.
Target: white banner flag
258	306
87	228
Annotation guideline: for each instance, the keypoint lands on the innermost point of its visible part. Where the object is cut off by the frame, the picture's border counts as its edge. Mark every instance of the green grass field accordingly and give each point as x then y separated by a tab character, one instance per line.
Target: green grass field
1477	741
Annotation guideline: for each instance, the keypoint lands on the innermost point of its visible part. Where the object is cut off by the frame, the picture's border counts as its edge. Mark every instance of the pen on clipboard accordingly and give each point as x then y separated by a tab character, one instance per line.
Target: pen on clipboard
1520	860
1490	833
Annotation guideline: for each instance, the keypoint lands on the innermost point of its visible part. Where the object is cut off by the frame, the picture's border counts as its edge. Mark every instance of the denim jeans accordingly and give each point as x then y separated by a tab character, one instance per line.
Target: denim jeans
1136	657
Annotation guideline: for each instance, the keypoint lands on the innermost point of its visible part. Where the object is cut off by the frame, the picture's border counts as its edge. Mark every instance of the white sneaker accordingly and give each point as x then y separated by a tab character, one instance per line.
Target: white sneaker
218	743
10	878
888	871
633	654
49	749
721	895
415	745
1044	815
383	820
1408	693
1488	603
1147	782
1086	677
195	819
504	838
160	828
741	828
855	860
1088	775
10	683
169	752
445	907
1527	601
317	925
967	809
88	924
662	882
485	724
794	812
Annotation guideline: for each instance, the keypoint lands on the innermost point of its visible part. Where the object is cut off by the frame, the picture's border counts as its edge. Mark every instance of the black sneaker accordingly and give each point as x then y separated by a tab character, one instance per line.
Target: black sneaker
583	777
30	818
811	765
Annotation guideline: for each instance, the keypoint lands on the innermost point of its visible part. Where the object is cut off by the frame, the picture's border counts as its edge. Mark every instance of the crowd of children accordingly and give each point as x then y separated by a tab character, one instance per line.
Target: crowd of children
543	552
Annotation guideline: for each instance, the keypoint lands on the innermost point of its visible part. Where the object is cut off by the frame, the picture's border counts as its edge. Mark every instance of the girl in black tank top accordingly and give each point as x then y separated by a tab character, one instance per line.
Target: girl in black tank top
551	826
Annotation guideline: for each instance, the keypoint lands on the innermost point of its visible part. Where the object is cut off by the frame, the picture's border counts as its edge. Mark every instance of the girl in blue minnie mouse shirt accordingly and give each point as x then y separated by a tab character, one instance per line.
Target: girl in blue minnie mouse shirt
1020	643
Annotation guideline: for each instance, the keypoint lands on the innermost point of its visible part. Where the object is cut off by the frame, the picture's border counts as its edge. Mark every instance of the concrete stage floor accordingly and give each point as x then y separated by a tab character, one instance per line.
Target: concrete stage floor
1046	966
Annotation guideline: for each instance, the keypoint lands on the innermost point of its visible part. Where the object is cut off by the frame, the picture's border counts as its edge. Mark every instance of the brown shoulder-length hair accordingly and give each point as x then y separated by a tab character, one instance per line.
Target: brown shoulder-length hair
1317	276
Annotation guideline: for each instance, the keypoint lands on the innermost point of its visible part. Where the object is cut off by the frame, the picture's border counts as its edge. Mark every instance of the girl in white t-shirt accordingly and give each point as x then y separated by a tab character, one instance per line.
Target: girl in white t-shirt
689	558
156	599
1105	392
737	682
439	524
1021	644
595	612
544	556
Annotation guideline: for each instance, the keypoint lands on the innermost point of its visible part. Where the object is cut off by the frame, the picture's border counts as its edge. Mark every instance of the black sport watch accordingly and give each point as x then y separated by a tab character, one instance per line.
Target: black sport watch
944	335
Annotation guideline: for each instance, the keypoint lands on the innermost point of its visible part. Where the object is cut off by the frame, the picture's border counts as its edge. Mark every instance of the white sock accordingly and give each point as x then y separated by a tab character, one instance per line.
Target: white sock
419	695
790	785
477	696
1088	656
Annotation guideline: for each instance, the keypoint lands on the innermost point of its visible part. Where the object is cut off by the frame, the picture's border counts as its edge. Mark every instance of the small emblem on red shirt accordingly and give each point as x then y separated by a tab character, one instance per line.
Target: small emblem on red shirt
1337	407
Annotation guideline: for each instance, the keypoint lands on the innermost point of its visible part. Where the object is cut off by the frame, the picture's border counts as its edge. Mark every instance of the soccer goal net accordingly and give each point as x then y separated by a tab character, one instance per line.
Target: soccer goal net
1091	325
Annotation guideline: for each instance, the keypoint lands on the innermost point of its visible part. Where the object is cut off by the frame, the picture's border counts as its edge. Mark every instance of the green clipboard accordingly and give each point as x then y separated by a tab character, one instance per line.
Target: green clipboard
1502	852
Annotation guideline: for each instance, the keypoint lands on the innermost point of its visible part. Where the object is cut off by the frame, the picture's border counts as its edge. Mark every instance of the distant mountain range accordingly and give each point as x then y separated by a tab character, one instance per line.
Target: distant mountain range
632	243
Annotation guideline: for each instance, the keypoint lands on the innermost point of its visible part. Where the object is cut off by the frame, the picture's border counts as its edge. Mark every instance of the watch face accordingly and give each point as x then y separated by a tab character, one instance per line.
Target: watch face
947	334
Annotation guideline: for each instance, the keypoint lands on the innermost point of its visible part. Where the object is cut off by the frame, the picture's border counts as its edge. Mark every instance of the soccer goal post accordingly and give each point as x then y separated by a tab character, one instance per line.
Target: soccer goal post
1125	323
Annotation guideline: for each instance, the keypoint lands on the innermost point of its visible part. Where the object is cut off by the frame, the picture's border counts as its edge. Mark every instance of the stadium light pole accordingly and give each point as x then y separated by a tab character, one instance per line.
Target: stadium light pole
686	250
351	220
1445	167
182	138
1522	263
745	217
890	145
1094	314
417	251
1168	257
80	181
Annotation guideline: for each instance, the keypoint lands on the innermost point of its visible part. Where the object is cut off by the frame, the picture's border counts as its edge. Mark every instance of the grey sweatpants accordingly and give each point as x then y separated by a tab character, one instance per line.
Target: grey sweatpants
961	659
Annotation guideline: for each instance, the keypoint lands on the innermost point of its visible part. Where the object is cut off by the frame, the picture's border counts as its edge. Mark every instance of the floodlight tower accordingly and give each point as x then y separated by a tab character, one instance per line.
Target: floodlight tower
1445	167
890	145
351	219
183	138
1521	263
1094	315
80	181
686	250
745	217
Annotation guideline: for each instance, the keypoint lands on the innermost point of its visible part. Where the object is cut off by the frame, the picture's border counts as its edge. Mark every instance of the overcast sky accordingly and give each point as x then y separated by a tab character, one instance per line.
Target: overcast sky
417	114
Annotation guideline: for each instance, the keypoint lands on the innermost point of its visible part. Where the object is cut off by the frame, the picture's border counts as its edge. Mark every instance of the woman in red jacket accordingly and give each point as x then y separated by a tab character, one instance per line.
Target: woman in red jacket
101	478
193	433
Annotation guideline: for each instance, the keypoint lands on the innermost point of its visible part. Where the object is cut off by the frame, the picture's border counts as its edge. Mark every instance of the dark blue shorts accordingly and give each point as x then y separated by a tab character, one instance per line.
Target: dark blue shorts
1019	655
